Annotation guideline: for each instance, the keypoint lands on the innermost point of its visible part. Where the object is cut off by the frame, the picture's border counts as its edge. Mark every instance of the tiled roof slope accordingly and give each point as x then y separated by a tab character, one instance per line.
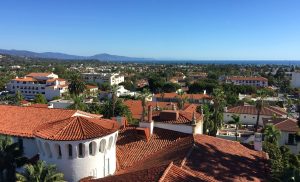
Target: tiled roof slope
22	121
256	78
132	149
76	128
225	160
38	74
283	124
184	117
267	110
189	96
192	158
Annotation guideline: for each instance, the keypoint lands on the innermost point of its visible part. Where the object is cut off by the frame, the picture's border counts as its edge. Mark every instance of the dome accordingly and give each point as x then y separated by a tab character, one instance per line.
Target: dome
76	128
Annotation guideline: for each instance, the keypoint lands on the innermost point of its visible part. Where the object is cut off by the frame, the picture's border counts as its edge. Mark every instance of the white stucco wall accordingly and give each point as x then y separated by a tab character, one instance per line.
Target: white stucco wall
175	127
245	118
99	164
29	146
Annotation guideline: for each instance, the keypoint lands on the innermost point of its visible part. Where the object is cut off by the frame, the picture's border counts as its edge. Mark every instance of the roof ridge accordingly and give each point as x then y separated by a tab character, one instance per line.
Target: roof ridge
81	125
65	127
165	172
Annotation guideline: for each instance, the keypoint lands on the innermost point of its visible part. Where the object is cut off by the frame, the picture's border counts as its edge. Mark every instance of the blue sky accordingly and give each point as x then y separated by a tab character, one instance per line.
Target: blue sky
175	29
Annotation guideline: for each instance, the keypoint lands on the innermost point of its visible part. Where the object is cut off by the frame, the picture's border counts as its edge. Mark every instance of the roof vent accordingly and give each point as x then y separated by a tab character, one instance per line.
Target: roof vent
169	115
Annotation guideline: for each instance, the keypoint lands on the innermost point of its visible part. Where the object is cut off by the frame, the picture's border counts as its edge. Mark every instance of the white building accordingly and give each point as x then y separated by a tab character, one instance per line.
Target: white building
248	114
78	143
288	128
295	82
253	81
47	84
100	78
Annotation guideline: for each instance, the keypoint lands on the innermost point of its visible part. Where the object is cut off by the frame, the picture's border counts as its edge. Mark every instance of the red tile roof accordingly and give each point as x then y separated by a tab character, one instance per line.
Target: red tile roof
38	74
76	128
183	117
283	124
267	110
25	79
22	121
255	78
226	160
39	105
91	86
190	96
190	158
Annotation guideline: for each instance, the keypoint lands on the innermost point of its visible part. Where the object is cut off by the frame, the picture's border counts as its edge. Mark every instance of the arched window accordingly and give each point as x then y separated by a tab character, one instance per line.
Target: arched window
70	151
58	151
110	141
48	150
116	138
81	150
92	148
102	145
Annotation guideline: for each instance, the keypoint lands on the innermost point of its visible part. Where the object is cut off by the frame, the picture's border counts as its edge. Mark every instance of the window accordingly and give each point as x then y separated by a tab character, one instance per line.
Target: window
102	145
92	148
81	150
58	151
110	141
291	139
70	151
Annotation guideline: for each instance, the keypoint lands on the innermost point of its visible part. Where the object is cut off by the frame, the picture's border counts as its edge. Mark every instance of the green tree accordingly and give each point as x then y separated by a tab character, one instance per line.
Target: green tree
218	108
11	157
259	105
40	99
170	87
78	103
143	97
120	110
19	97
40	172
113	92
182	99
76	86
237	122
271	133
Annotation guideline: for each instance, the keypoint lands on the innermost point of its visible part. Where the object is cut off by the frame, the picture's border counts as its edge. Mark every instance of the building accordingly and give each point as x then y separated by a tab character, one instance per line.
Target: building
86	147
100	78
175	97
288	128
47	84
248	114
295	81
78	143
256	81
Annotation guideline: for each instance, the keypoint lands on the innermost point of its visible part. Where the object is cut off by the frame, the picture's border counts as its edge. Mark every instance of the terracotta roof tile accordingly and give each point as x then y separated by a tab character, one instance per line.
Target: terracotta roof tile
283	124
255	78
76	128
190	96
267	110
38	74
22	121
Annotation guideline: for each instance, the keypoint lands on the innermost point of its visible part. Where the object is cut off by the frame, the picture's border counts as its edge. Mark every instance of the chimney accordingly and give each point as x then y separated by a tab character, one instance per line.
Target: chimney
149	113
225	109
204	92
258	141
194	120
174	107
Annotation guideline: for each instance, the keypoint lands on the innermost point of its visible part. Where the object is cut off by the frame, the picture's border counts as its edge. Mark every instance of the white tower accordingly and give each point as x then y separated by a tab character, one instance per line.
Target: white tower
79	146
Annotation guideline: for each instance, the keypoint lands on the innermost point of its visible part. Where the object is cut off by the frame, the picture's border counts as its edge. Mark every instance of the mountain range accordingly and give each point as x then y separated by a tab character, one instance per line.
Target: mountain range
57	55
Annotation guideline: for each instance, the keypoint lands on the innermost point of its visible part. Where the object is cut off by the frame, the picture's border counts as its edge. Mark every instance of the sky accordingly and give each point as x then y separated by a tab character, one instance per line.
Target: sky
161	29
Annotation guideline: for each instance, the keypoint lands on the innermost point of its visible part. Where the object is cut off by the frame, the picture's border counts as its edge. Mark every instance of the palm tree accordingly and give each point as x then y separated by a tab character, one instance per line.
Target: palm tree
78	103
11	157
237	122
259	105
272	134
143	97
208	123
113	91
218	106
40	172
76	86
182	99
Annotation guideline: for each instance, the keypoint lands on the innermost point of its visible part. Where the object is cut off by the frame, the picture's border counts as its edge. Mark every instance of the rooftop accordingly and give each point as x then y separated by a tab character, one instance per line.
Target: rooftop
256	78
22	121
250	109
172	156
283	124
76	128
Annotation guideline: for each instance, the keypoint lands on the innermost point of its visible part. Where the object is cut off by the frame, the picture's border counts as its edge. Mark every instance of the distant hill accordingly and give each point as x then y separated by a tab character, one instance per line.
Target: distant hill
57	55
